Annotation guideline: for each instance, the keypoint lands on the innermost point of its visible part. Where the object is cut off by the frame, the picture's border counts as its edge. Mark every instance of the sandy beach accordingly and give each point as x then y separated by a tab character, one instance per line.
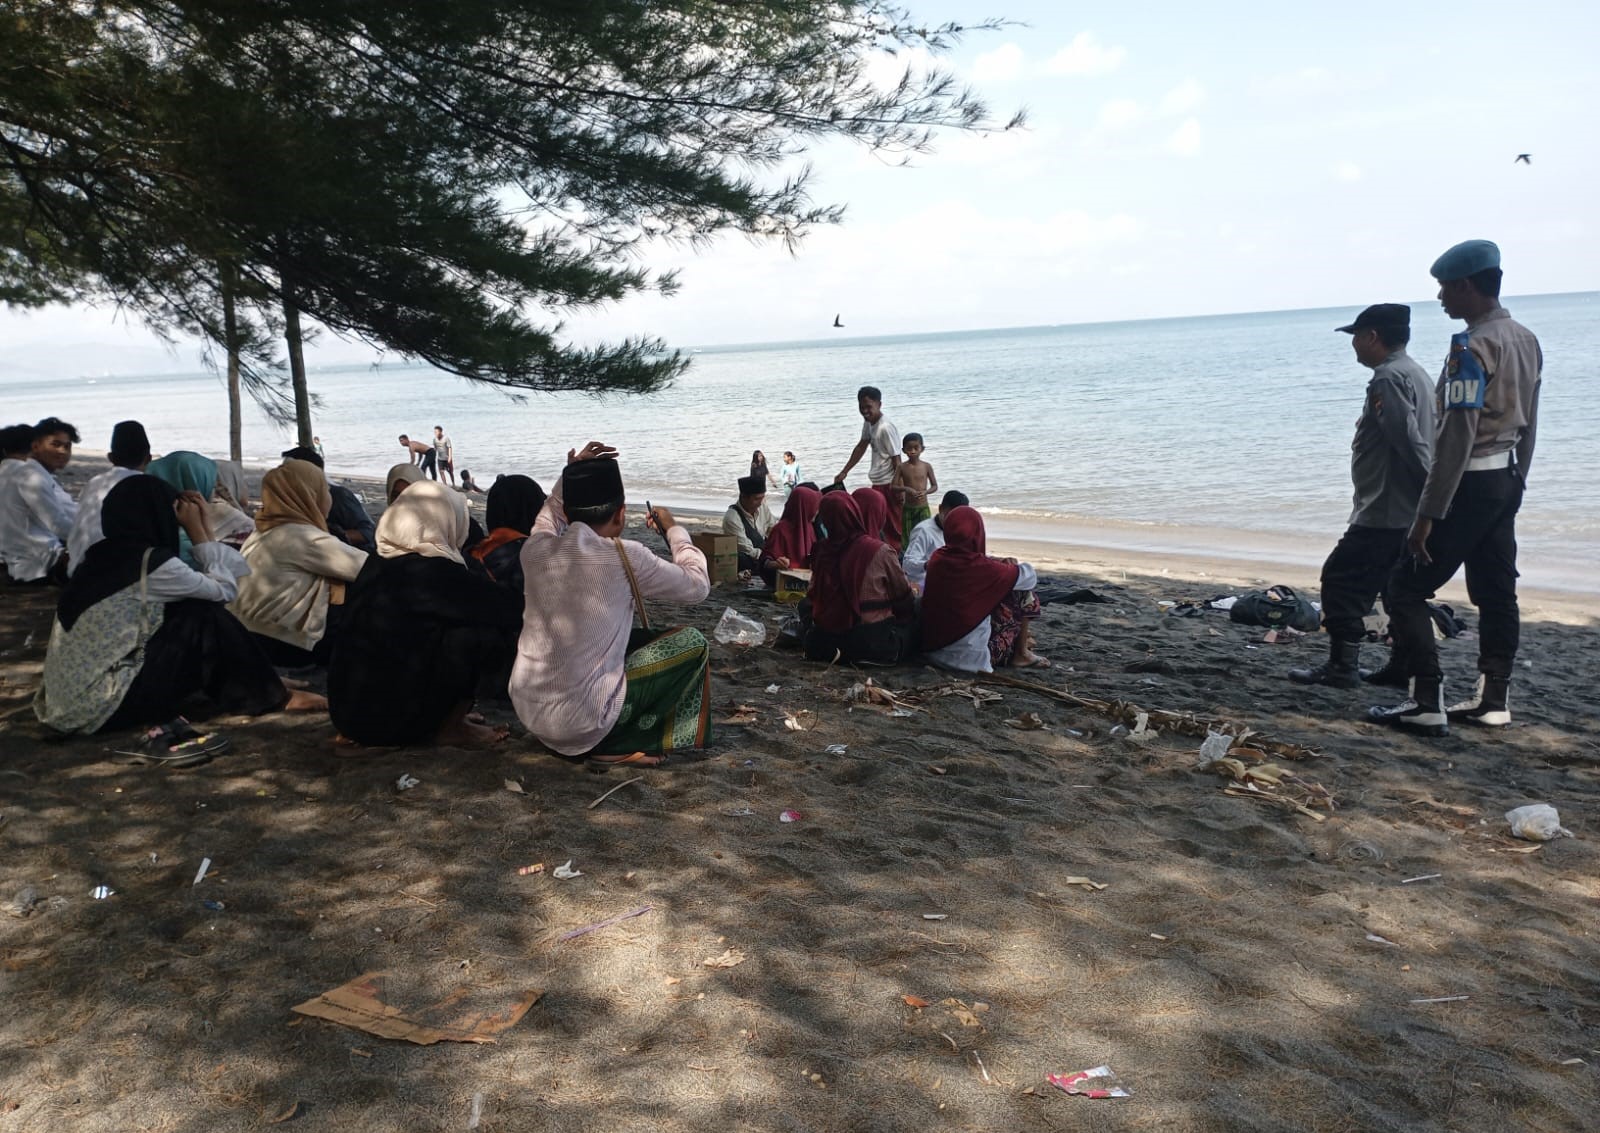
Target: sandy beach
964	902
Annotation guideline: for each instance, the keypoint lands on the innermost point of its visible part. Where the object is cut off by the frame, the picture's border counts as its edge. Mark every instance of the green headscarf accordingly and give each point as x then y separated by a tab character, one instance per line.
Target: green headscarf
187	472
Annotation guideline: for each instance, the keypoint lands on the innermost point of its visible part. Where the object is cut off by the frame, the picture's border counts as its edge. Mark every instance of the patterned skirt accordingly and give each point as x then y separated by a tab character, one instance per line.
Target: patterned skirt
1005	625
667	705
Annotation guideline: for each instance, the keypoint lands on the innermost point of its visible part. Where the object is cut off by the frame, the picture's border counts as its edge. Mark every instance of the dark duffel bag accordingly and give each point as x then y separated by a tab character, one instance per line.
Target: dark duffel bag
1275	608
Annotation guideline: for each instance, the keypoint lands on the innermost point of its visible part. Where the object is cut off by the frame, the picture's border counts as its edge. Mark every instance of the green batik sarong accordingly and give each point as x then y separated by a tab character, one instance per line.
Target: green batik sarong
911	515
667	705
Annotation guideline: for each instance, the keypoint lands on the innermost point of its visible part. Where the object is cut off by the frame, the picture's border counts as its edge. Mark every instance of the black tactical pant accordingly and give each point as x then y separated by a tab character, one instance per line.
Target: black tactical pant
1354	575
1479	533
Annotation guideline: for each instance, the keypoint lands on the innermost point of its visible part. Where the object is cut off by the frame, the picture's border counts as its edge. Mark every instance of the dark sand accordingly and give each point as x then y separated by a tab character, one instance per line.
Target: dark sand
1224	972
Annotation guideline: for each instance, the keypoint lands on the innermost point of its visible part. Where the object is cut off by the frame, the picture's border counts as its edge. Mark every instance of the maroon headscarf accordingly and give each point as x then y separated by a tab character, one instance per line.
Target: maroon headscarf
839	564
792	536
874	510
964	584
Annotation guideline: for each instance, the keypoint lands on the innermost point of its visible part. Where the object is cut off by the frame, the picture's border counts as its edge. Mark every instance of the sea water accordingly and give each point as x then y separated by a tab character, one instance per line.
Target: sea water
1225	435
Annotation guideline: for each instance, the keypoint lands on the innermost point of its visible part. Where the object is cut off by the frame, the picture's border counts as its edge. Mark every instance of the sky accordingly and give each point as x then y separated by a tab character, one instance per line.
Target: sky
1179	159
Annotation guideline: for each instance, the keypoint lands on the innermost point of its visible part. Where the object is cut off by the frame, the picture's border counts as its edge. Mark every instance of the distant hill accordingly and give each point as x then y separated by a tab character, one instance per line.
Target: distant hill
37	361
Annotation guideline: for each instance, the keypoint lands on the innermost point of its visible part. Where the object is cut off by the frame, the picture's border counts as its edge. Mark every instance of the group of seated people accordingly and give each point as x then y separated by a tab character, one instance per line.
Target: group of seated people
946	597
172	589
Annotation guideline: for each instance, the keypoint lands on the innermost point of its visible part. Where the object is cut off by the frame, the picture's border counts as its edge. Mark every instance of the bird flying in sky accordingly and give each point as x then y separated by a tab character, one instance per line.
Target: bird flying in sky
1525	158
836	321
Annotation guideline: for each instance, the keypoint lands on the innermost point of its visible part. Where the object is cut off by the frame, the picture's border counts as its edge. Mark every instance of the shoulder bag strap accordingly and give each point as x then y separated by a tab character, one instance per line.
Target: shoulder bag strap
633	585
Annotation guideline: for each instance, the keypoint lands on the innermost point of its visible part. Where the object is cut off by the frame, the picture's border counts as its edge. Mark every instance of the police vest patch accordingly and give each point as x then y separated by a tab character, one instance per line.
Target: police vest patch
1463	375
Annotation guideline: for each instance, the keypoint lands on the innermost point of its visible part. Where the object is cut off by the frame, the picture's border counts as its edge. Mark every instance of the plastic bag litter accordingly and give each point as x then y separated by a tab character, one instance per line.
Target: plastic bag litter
736	629
1537	823
1214	747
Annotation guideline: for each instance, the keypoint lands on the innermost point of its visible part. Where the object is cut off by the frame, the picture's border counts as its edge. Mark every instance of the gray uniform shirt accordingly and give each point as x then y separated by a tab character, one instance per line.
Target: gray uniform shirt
1390	454
1512	363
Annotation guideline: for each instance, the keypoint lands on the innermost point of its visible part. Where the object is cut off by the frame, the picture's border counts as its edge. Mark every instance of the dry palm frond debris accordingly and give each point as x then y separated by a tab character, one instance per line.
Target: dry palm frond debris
1246	740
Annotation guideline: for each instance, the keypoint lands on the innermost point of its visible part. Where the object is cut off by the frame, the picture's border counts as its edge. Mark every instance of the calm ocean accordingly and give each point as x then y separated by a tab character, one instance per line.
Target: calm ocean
1227	434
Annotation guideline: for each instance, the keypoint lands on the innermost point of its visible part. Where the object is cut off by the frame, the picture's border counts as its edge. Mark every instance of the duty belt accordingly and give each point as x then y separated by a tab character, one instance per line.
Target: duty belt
1490	463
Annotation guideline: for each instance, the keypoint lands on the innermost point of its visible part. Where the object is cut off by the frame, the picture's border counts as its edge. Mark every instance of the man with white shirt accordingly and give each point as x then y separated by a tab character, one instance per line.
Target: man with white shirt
36	513
586	681
927	537
883	440
129	455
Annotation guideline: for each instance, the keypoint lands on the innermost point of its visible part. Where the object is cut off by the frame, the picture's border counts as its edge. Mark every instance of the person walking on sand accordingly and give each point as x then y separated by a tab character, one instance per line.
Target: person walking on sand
790	472
444	455
883	440
1488	399
422	455
1388	464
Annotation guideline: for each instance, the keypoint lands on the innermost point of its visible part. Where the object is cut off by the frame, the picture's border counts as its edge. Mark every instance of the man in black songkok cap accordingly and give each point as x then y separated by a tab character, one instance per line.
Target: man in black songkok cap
1388	464
749	520
130	448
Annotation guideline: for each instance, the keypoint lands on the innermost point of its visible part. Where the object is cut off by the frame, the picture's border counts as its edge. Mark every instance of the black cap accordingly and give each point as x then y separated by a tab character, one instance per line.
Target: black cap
1381	316
752	485
129	445
591	483
303	452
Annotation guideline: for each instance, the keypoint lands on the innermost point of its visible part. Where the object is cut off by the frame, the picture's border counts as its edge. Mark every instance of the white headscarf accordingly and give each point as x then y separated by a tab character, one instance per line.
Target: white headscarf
428	519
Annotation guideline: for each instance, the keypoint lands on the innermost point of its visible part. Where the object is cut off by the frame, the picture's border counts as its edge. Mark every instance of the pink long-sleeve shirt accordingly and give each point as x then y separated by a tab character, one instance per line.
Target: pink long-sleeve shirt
568	683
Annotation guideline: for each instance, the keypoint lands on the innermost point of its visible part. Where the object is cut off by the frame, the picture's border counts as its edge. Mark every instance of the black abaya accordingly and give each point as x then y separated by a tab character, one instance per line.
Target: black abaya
419	635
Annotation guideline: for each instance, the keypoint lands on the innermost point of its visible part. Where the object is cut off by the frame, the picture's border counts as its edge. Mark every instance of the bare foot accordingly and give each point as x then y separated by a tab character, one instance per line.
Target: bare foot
464	733
302	701
293	683
1030	660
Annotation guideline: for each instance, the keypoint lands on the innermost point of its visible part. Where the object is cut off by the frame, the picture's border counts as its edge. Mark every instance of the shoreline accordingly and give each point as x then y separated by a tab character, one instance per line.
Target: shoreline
1108	551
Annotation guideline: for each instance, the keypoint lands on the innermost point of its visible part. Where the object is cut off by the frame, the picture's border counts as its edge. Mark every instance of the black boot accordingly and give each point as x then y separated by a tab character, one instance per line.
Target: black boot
1392	675
1422	713
1342	669
1489	707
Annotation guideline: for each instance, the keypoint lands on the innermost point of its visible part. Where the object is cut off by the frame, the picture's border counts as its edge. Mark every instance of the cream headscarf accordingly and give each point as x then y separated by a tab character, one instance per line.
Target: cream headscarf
400	474
428	519
294	492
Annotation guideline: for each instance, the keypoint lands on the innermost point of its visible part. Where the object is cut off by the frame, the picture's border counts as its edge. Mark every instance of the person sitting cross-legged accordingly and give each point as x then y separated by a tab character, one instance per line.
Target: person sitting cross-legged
586	681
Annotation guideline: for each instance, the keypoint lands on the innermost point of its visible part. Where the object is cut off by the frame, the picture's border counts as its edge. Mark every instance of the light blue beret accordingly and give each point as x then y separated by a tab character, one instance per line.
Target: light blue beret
1467	258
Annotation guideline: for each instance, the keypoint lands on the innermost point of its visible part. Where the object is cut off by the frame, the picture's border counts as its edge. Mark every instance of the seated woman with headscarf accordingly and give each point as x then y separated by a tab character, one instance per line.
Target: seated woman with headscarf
514	502
137	633
191	472
788	545
860	607
976	609
420	631
292	600
401	477
874	510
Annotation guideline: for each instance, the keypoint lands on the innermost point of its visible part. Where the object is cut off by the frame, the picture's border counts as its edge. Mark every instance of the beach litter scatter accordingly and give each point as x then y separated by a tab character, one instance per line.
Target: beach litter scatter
801	721
200	874
774	688
536	867
379	1004
935	916
1537	823
406	782
566	872
475	1111
836	749
1027	722
1442	999
1096	1082
732	958
736	629
515	787
790	816
101	892
1376	939
914	1001
1421	877
607	923
1085	883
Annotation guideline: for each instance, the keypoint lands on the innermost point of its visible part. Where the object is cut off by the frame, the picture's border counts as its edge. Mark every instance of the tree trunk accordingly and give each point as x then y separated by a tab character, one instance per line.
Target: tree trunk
230	329
297	364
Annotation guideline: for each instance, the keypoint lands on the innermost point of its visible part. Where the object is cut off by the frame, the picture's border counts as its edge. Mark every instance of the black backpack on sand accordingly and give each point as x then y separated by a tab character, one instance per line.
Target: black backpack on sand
1275	608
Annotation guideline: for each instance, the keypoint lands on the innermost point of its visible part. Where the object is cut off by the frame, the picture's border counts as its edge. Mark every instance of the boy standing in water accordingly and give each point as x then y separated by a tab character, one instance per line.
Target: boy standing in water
884	441
914	479
444	454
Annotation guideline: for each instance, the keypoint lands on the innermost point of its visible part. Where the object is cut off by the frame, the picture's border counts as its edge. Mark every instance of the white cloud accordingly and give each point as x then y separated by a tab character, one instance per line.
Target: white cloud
1119	114
1183	98
1000	65
1086	55
1185	140
1347	171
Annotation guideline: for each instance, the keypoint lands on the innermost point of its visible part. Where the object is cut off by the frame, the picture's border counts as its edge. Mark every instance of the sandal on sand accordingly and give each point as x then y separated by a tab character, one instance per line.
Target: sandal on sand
636	759
177	744
1036	663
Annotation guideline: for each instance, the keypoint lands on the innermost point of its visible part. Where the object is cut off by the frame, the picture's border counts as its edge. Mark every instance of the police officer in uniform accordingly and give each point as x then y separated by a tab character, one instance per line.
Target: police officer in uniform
1388	463
1488	398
